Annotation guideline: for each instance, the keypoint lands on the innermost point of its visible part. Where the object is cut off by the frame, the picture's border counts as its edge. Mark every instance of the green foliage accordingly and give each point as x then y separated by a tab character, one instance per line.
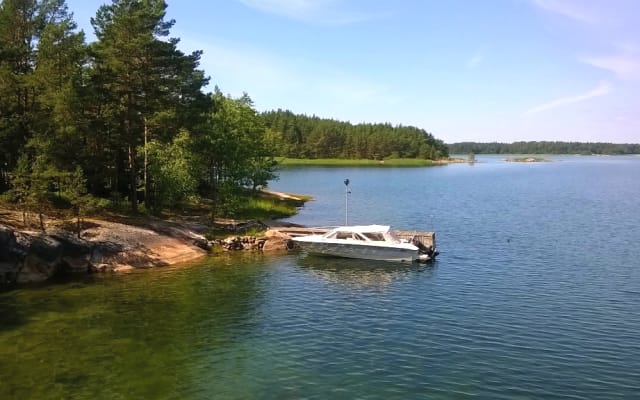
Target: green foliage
147	88
173	172
31	182
233	151
40	64
544	148
301	136
82	203
21	186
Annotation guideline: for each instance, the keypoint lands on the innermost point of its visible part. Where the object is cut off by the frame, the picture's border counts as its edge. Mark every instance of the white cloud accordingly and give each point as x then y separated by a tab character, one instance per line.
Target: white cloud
625	67
297	9
602	89
576	10
610	18
475	59
275	81
330	12
253	67
613	21
357	92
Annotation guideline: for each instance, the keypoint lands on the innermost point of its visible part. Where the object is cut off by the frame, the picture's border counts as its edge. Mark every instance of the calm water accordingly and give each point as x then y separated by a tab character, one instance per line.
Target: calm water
536	294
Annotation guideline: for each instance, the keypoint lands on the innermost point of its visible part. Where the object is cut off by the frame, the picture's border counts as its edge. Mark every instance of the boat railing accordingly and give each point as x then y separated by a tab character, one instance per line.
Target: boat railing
426	238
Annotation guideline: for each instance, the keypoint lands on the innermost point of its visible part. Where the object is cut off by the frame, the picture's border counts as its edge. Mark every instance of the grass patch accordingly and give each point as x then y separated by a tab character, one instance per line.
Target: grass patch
245	207
264	206
256	208
340	162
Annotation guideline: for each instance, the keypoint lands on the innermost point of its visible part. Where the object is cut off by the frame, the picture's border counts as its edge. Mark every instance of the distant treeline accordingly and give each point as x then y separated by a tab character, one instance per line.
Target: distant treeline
544	148
300	136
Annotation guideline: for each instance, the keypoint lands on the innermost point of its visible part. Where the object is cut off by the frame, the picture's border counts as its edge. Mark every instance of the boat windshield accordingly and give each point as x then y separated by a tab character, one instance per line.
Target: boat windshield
365	235
342	235
345	235
374	236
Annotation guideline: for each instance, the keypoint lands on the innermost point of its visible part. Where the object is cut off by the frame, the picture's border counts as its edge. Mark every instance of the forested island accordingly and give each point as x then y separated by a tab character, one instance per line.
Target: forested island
544	147
312	137
126	119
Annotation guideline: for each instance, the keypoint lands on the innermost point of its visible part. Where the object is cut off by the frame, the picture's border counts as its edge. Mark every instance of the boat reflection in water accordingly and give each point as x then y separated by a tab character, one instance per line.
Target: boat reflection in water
357	273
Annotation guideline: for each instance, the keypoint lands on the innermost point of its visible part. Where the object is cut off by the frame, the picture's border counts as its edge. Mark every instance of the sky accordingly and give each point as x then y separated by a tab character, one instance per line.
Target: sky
463	70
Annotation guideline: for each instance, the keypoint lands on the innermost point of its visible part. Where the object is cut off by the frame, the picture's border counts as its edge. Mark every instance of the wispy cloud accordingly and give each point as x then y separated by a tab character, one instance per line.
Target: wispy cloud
609	17
576	10
475	59
602	89
357	92
613	21
330	12
276	81
625	67
296	9
239	67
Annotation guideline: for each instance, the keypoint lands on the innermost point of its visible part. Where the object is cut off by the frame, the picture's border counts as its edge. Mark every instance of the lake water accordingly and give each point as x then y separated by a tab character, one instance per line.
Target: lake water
535	294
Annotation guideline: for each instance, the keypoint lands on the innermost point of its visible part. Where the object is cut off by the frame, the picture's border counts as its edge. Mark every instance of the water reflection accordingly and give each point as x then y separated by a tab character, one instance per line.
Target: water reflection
360	273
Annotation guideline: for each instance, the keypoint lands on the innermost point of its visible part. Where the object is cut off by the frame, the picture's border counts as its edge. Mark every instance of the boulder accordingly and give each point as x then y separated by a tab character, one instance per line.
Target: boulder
76	254
202	243
7	242
74	265
101	267
277	243
73	246
42	260
12	252
46	248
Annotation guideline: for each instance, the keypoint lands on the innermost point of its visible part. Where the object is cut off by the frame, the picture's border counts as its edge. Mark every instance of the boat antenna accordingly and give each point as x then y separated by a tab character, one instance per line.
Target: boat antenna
346	201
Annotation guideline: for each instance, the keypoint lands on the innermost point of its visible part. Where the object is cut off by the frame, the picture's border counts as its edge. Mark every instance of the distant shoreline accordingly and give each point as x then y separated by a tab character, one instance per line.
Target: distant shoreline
341	162
544	148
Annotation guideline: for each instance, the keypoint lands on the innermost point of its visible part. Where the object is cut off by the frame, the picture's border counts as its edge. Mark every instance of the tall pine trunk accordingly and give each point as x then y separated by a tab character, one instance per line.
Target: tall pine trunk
147	197
132	178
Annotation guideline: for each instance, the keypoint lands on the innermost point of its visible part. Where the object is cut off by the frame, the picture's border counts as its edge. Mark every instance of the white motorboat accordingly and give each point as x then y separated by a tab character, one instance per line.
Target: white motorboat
370	242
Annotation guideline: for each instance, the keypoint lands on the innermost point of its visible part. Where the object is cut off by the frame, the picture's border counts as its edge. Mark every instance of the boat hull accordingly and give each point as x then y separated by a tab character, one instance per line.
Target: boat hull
361	251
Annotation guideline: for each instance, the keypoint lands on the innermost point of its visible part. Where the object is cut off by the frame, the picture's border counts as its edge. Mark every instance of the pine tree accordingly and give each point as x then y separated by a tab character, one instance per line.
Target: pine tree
40	67
147	81
20	29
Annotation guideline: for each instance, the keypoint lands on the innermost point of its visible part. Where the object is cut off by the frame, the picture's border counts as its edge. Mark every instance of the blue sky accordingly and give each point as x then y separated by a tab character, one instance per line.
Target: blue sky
491	70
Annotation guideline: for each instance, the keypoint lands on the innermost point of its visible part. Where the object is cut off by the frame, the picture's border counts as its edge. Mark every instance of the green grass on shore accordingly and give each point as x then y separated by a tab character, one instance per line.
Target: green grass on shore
264	205
339	162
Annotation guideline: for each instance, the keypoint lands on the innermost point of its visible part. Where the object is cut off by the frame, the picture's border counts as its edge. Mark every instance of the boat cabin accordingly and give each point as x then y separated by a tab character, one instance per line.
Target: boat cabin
375	233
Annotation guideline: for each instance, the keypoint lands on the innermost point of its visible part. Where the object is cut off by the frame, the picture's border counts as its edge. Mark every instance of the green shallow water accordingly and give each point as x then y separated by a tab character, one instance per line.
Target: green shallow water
139	335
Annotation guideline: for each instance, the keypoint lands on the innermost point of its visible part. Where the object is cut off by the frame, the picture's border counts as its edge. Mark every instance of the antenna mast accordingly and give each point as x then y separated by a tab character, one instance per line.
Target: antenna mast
346	201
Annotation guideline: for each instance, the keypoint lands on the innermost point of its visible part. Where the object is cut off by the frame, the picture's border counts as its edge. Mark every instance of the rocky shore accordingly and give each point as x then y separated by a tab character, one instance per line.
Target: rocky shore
110	246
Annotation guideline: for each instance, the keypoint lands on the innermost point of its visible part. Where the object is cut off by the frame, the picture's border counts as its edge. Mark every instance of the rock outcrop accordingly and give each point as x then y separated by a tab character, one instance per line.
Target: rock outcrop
35	257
